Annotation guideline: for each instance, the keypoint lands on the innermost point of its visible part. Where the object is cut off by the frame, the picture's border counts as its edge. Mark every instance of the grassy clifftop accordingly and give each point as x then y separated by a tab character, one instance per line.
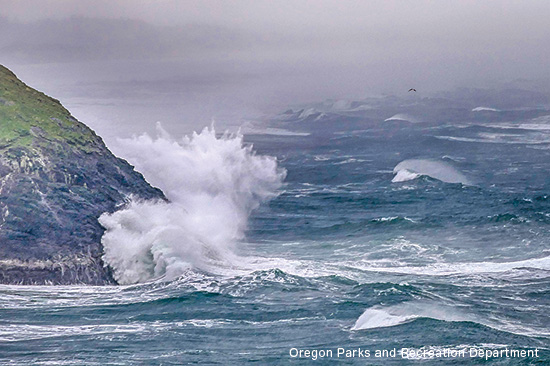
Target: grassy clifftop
56	178
26	113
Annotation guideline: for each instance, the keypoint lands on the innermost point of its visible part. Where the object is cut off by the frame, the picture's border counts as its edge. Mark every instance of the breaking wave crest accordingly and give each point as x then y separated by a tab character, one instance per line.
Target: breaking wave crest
381	317
414	168
402	117
394	315
212	184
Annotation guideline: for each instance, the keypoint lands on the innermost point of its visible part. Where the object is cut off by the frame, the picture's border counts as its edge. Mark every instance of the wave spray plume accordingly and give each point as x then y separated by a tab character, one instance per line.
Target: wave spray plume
212	183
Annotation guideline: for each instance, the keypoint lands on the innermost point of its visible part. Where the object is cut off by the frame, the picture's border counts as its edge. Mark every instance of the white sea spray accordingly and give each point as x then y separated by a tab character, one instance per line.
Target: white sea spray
212	184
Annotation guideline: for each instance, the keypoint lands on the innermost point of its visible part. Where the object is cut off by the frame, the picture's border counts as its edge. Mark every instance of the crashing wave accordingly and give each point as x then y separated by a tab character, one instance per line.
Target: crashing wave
212	183
414	168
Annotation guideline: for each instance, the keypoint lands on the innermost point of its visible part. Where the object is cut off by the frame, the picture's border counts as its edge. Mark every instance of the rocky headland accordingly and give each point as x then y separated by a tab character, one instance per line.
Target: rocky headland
56	178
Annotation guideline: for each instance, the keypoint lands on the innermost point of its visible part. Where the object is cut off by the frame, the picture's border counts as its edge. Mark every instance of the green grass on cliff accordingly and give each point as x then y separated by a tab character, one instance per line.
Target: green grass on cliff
28	116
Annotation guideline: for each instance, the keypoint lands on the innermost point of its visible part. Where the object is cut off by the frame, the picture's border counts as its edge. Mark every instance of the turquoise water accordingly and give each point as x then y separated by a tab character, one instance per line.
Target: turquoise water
342	257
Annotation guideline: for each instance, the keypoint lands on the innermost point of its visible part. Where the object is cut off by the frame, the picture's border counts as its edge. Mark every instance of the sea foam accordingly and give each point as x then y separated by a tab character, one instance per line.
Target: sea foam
212	184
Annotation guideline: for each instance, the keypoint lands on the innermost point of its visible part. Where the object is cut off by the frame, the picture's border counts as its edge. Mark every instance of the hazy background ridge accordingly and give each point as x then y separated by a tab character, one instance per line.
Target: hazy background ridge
122	65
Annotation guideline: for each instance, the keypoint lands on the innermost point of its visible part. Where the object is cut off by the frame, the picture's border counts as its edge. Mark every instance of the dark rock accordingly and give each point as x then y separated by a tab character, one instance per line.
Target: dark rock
56	178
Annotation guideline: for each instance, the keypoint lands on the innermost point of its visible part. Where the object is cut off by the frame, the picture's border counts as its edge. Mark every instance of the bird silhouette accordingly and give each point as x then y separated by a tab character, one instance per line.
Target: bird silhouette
411	89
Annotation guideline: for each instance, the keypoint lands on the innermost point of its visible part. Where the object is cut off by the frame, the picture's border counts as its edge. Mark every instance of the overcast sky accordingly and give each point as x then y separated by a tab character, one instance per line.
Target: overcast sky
186	62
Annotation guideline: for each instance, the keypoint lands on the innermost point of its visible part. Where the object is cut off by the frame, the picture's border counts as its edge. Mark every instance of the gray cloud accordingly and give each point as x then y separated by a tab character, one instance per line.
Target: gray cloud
90	39
489	39
233	57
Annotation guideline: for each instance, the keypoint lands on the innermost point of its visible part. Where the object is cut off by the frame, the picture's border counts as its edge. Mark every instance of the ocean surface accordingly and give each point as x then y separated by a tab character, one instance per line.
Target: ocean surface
401	234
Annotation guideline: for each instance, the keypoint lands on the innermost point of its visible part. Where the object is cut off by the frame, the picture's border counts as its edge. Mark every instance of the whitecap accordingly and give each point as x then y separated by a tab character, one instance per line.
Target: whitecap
395	315
401	117
414	168
485	109
380	317
404	175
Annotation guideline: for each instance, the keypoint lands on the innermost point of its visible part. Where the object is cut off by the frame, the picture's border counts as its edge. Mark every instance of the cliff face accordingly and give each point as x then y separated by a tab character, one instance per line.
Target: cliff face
56	178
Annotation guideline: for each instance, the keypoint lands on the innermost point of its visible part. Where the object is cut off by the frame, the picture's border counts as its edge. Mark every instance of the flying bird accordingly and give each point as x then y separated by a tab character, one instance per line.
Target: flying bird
411	89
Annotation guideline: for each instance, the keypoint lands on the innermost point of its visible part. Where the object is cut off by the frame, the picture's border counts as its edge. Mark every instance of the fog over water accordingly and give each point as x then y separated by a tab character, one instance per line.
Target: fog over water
121	66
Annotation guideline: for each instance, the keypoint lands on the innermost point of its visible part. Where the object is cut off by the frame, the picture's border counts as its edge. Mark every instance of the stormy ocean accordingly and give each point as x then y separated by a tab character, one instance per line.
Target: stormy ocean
394	231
